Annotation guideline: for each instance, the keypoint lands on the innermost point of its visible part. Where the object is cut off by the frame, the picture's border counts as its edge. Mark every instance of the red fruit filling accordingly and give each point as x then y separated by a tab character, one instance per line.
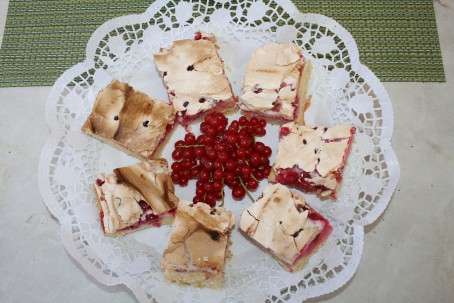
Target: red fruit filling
169	129
298	178
320	238
100	182
147	218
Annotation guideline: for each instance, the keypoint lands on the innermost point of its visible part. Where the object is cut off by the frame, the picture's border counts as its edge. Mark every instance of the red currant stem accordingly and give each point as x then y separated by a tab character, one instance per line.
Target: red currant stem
245	188
222	193
252	175
195	166
188	146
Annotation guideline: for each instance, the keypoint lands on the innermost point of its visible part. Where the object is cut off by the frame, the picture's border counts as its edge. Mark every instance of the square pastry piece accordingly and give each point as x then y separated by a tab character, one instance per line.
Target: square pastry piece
283	224
194	75
275	84
198	245
136	197
312	158
130	120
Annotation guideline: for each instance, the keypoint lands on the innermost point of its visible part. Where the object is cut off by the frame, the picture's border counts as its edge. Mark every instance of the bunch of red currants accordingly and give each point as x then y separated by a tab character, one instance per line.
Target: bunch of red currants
222	155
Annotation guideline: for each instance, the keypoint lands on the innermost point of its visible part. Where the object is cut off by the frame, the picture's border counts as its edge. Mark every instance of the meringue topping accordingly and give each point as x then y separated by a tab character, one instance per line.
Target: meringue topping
194	74
119	193
272	77
279	222
124	116
200	237
315	150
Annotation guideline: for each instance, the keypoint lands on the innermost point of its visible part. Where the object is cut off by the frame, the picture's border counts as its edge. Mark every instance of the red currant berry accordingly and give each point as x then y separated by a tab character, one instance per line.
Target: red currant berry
238	193
243	121
176	166
230	165
267	171
217	164
177	154
223	157
218	174
185	164
199	184
211	201
259	175
175	176
212	154
252	184
200	191
208	165
245	142
204	176
190	139
183	181
187	153
204	126
246	170
217	186
259	131
267	151
179	143
195	172
259	147
186	174
241	153
255	159
200	139
229	177
262	123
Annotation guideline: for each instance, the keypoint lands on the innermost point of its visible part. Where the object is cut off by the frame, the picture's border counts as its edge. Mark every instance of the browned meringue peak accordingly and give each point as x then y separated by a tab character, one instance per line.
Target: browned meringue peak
194	73
129	118
199	238
312	148
279	222
269	67
152	180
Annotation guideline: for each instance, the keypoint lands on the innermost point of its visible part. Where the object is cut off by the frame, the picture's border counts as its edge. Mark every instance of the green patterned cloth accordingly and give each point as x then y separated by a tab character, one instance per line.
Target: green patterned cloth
397	39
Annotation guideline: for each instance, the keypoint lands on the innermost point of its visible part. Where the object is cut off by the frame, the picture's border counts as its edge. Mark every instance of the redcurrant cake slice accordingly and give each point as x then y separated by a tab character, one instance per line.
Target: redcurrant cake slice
194	75
135	197
198	245
283	224
130	120
312	158
275	83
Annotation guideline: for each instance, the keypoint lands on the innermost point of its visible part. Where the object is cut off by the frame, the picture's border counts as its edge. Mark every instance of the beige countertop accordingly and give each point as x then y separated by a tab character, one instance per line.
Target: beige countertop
408	253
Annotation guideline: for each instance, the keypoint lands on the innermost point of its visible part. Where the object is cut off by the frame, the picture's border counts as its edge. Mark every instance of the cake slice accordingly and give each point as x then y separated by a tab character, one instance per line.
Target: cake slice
198	245
312	158
194	75
275	83
283	224
130	120
135	197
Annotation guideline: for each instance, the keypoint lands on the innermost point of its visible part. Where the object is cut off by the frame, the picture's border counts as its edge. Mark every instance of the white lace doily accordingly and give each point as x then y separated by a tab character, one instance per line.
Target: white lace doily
343	90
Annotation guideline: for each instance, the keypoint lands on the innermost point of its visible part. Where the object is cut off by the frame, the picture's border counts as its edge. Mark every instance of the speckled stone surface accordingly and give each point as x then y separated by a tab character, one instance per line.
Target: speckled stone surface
408	253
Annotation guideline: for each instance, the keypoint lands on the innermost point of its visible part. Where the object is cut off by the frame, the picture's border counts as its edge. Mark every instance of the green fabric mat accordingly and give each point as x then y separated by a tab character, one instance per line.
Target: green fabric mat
397	40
